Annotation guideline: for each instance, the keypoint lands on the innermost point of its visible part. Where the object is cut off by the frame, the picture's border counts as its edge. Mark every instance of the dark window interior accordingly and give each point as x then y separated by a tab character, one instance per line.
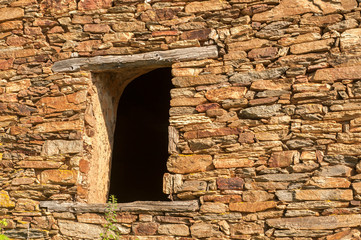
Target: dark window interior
140	148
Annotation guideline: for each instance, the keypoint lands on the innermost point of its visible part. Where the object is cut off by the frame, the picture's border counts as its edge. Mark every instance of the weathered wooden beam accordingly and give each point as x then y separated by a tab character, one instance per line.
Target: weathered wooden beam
139	206
151	59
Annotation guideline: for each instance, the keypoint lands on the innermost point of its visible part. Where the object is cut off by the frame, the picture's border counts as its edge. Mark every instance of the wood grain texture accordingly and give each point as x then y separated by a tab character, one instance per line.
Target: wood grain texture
151	59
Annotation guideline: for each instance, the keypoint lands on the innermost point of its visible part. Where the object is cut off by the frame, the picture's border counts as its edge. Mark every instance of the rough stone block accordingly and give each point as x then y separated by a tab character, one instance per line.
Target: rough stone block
206	6
8	13
145	229
316	223
230	183
174	229
80	230
5	201
251	207
189	163
56	147
62	177
283	159
286	8
323	194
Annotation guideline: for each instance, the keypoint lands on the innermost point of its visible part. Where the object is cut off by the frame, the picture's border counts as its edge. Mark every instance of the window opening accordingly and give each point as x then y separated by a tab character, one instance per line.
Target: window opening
140	148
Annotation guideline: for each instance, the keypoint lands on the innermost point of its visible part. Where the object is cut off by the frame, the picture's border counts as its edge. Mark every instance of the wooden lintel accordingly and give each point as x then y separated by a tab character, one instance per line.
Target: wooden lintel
152	59
139	206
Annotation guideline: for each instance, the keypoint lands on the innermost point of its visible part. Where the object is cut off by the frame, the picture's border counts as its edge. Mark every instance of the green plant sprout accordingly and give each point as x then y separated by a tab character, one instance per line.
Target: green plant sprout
3	223
111	232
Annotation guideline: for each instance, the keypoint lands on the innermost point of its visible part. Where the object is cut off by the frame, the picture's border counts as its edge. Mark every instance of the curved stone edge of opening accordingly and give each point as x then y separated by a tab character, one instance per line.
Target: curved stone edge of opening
110	76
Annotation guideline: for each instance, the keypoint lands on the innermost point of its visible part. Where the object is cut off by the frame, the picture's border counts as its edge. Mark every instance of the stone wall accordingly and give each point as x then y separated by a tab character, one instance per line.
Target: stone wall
264	134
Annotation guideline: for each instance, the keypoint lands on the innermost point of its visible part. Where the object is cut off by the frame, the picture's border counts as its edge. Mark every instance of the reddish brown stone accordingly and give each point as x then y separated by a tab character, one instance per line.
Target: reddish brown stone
165	33
230	183
196	34
88	46
263	53
96	28
282	159
44	22
211	133
144	229
251	207
204	107
84	166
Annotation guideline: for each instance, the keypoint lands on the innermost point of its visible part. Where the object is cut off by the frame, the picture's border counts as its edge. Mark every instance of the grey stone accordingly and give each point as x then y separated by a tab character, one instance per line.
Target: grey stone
341	159
272	93
285	195
80	230
316	205
199	144
300	213
203	230
25	234
174	229
299	143
283	177
259	112
176	111
56	147
249	77
316	223
302	233
335	171
189	186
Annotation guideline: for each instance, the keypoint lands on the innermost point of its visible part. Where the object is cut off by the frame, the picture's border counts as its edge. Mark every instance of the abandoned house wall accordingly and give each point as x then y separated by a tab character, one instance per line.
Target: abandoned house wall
264	130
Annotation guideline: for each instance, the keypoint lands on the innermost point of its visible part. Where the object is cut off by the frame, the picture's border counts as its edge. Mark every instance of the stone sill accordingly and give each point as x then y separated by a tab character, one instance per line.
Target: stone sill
139	206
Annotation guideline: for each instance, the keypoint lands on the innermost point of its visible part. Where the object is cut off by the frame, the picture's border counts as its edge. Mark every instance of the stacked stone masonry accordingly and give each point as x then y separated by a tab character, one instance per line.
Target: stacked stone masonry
266	134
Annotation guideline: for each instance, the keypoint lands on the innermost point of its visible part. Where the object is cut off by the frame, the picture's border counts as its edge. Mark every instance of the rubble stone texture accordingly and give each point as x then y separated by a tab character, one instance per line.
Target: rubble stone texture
265	117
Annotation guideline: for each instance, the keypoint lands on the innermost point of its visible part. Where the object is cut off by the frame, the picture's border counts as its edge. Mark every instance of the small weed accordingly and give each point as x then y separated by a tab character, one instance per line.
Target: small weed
3	223
111	232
